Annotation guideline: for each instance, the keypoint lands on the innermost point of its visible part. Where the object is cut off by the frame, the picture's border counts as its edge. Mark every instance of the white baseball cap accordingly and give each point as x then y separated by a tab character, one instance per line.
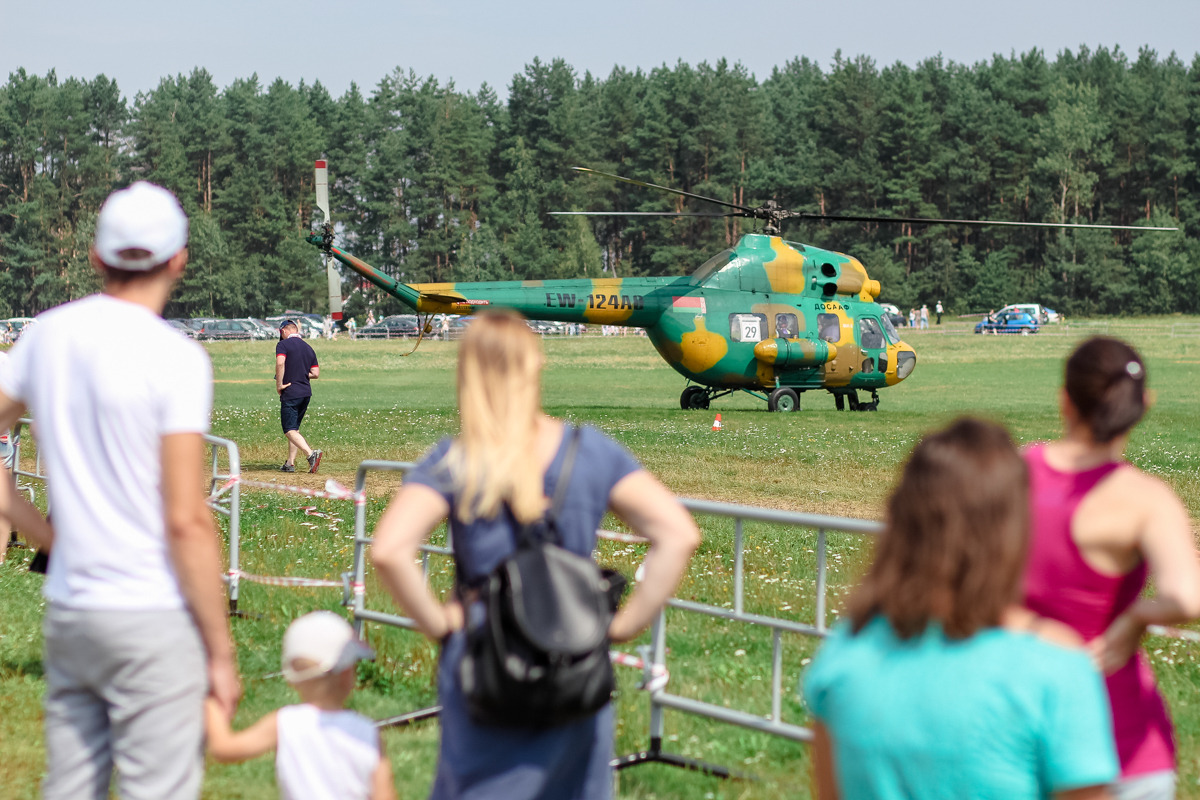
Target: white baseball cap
145	219
324	639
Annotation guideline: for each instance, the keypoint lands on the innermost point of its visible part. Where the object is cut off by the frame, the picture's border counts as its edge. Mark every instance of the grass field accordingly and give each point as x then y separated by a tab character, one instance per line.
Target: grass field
373	402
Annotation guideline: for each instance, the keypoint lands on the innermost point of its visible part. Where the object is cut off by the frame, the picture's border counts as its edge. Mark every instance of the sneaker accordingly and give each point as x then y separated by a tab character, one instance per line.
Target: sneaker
314	460
288	468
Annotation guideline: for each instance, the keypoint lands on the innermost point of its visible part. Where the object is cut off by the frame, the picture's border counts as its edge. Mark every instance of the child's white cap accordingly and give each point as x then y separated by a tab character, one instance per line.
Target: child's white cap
326	641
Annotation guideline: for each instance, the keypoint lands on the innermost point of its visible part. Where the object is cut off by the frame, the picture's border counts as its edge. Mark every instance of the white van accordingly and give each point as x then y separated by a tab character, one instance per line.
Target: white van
1038	311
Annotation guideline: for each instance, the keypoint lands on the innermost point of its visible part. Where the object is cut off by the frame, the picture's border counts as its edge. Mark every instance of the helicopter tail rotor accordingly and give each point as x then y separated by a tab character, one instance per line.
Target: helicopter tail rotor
334	280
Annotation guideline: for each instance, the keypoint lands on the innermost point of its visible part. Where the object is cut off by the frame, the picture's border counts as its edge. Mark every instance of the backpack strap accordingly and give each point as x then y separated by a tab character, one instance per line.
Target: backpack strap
564	472
537	531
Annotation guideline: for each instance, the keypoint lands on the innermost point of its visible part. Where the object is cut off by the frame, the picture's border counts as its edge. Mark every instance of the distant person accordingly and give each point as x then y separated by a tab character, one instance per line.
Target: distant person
322	751
494	476
327	327
7	464
936	684
370	317
939	312
295	366
912	318
924	317
352	327
1102	528
135	627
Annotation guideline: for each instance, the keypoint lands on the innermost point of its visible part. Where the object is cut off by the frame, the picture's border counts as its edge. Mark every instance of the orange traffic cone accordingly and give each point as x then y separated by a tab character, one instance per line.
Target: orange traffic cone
717	423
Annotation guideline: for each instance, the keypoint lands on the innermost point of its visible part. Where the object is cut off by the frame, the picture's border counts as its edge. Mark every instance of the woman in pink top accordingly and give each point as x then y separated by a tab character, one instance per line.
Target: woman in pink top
1100	528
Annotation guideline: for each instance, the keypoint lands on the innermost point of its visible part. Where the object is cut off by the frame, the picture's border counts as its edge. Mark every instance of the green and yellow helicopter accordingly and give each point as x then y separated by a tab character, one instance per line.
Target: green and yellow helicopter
769	317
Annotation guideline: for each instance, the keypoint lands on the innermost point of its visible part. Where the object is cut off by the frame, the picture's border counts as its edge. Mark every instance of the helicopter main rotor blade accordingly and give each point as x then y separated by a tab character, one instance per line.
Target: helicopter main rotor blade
976	222
668	189
640	214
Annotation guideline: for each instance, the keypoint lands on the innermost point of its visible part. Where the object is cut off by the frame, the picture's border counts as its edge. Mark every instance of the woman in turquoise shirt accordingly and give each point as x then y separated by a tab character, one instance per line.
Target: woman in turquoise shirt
936	685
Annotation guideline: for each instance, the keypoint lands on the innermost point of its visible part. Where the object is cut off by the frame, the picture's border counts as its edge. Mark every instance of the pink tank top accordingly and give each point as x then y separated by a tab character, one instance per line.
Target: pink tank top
1060	585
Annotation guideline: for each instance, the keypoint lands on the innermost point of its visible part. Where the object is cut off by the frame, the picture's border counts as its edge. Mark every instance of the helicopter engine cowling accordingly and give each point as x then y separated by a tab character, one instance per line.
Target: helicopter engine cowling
794	353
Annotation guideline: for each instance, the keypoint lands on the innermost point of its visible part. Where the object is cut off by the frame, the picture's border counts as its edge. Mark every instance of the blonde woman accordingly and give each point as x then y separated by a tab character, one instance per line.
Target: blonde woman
495	476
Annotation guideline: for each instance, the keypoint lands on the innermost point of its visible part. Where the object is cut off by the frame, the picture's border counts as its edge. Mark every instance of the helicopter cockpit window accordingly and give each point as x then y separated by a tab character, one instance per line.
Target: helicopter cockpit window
712	266
747	327
829	327
786	326
889	330
869	334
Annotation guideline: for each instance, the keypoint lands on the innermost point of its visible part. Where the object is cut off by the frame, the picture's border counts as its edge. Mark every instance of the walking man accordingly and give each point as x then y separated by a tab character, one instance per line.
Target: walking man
295	366
924	317
939	312
135	627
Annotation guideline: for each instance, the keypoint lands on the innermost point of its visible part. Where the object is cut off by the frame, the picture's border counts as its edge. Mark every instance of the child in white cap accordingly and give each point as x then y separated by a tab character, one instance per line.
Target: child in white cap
322	750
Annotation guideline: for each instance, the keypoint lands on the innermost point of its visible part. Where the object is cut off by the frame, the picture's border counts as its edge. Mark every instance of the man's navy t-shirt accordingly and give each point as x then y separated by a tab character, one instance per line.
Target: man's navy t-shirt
300	359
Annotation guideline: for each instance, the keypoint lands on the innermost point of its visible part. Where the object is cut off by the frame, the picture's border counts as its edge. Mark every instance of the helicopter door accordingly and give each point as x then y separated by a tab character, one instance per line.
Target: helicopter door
838	329
870	338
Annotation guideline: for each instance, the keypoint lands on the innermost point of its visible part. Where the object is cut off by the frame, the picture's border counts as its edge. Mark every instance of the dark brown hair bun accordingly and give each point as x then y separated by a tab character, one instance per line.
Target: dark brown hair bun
1106	382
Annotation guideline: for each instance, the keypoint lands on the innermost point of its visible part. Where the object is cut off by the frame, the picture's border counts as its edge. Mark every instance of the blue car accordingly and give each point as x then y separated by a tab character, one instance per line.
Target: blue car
1014	322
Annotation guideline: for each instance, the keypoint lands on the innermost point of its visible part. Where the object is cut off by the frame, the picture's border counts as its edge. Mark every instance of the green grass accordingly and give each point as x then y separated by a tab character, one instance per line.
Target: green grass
374	402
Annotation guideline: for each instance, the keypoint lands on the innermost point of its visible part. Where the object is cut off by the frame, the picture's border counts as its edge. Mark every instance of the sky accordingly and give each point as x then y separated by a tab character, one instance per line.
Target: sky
139	42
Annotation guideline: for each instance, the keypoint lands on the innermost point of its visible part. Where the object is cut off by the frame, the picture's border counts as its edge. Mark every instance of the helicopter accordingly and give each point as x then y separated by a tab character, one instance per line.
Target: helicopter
769	317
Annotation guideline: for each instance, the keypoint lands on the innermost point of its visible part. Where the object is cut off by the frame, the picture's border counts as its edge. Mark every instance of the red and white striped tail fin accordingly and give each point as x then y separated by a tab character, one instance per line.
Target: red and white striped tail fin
332	276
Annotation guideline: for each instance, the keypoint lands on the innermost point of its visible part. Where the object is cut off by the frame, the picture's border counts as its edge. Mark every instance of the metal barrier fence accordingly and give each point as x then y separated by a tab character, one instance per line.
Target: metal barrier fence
225	498
654	656
773	723
224	491
18	471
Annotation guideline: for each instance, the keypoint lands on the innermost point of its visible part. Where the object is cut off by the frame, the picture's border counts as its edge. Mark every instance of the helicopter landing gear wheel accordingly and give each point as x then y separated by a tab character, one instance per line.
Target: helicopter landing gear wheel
783	399
694	397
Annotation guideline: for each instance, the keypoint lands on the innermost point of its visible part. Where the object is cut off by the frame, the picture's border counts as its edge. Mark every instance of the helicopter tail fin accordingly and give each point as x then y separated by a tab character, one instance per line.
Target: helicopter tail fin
333	278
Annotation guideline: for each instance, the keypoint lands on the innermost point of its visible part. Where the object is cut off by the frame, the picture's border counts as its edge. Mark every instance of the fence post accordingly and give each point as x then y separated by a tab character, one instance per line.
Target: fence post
357	585
738	566
821	579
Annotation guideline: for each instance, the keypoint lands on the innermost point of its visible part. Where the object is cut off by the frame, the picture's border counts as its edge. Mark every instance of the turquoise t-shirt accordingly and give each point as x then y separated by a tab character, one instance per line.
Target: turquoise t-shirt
1001	714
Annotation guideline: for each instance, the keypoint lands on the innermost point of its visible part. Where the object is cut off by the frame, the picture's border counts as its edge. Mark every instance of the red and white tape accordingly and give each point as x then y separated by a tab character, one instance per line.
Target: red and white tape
627	538
333	490
1173	633
287	580
658	672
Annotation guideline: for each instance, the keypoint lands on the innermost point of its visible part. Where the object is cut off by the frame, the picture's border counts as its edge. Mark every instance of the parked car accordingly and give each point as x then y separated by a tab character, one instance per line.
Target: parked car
259	329
398	326
1008	322
1039	312
16	325
308	328
546	327
893	315
223	329
182	327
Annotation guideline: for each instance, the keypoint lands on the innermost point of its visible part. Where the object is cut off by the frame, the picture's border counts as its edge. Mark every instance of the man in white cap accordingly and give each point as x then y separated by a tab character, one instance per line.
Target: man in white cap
135	628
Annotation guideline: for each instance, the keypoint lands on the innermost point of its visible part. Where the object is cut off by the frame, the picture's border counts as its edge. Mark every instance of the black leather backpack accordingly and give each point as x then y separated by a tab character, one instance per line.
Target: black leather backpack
539	656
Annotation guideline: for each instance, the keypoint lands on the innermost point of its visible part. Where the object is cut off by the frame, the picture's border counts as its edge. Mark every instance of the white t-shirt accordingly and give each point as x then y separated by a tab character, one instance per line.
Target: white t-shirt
106	380
324	755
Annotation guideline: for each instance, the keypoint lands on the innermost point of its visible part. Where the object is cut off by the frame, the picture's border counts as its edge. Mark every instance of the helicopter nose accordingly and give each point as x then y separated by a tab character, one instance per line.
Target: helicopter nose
906	360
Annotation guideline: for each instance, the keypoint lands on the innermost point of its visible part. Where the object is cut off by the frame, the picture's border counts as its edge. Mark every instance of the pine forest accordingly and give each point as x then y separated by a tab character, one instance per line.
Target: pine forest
432	183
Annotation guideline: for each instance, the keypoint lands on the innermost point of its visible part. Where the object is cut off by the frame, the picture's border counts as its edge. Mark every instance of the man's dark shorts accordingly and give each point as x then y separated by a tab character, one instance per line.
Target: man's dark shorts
291	412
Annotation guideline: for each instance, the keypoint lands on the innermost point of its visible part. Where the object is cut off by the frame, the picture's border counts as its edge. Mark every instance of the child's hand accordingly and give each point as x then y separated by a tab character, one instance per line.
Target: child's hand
227	745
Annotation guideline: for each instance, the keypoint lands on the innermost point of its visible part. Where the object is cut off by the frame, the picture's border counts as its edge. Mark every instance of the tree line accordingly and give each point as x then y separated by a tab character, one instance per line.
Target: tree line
430	183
